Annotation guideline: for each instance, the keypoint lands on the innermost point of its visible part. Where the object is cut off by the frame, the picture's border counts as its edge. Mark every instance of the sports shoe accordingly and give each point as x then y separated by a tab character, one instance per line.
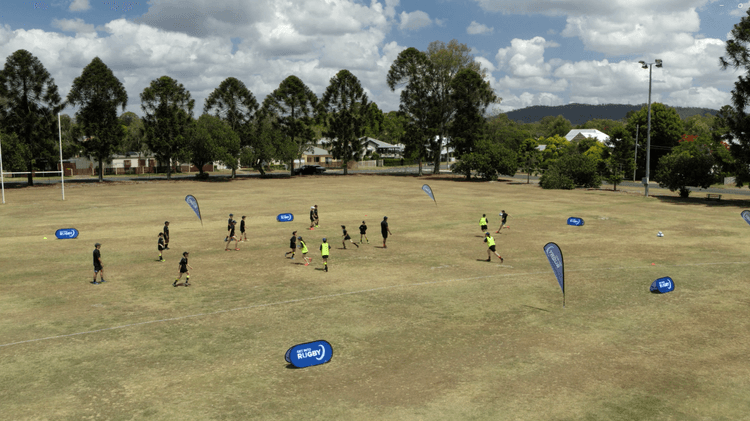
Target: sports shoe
488	260
292	258
497	232
102	281
95	283
317	226
356	245
174	284
162	260
187	284
307	264
237	249
502	260
226	249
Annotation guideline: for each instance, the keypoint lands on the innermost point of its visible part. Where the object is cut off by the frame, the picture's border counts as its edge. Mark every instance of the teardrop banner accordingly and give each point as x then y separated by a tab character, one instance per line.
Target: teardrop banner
575	221
193	203
662	285
555	257
285	217
746	215
309	354
66	233
428	190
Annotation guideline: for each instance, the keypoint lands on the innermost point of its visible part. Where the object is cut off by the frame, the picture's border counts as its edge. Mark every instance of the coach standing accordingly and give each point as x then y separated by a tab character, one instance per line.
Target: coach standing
385	230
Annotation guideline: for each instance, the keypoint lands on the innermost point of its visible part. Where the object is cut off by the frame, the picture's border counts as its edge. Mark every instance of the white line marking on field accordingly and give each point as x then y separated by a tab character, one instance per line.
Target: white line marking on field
342	294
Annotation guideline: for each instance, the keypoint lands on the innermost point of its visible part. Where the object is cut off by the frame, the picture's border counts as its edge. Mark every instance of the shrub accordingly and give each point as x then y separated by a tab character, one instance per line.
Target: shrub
578	169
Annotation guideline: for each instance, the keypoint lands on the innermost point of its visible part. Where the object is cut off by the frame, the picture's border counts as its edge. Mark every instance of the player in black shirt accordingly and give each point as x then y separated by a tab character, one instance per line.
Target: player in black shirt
232	237
384	230
312	217
347	237
183	269
161	246
317	221
229	226
98	266
243	235
292	245
363	233
166	235
504	217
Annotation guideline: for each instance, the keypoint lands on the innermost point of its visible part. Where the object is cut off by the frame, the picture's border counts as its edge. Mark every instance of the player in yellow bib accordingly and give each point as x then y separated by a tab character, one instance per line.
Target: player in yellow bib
483	222
303	248
491	247
325	252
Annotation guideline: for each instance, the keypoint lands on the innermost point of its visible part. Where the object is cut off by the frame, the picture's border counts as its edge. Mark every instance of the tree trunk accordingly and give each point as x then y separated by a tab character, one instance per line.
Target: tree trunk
101	169
420	167
292	167
169	169
30	176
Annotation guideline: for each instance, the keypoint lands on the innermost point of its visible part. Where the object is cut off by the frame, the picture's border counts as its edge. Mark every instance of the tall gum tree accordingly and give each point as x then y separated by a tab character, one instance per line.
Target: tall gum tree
345	111
233	102
168	112
98	94
738	121
292	106
30	105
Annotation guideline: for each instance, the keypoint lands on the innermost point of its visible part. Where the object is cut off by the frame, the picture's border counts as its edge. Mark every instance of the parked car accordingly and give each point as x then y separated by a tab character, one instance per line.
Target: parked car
309	169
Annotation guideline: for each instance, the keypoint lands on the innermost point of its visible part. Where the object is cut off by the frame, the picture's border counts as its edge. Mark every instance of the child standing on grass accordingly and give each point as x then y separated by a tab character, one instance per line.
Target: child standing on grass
491	247
229	226
161	246
232	237
363	233
166	235
183	269
292	245
325	252
303	249
312	218
347	237
243	235
317	220
98	266
384	230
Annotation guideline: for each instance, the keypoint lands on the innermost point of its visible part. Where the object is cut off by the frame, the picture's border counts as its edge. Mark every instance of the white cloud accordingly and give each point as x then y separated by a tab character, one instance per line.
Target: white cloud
73	25
476	28
79	5
414	20
524	58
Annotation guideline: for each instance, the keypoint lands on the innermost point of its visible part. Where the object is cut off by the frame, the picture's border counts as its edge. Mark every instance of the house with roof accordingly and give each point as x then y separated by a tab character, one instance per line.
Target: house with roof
315	155
384	149
580	134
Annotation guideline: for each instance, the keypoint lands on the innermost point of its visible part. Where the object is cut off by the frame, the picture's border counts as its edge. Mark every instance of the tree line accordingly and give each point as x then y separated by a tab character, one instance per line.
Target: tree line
444	103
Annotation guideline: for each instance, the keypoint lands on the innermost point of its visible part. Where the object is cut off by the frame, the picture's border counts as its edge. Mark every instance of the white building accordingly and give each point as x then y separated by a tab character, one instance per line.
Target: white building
580	134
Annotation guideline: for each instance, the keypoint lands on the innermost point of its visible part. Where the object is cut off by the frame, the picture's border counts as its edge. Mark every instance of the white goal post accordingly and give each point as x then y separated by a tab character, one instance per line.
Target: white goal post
61	172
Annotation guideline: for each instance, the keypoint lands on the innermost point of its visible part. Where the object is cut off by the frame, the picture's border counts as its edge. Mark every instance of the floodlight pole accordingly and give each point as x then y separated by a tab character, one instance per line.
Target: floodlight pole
2	181
649	66
62	168
635	158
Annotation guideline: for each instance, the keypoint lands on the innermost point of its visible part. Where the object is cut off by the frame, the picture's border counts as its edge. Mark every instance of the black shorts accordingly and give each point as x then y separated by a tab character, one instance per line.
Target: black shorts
97	268
242	231
161	247
385	234
347	237
492	248
325	256
484	227
293	247
183	269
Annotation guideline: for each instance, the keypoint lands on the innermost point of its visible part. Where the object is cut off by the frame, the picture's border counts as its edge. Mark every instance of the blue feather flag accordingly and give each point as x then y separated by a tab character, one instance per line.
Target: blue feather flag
428	190
193	203
555	257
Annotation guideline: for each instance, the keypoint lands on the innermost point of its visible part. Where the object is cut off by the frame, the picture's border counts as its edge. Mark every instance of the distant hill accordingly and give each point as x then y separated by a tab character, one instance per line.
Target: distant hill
581	113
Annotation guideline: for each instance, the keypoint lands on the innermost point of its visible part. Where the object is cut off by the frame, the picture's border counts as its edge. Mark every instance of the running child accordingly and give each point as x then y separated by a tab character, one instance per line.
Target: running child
491	247
504	217
303	249
347	237
183	269
363	233
312	218
325	252
317	220
243	234
231	237
292	245
166	235
229	226
483	222
161	246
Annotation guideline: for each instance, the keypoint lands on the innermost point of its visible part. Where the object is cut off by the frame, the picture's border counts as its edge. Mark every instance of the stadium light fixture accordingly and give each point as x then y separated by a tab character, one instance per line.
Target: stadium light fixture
649	66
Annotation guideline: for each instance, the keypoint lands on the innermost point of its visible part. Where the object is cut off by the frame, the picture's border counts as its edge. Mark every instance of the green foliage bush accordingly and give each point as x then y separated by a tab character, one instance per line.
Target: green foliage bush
578	168
553	178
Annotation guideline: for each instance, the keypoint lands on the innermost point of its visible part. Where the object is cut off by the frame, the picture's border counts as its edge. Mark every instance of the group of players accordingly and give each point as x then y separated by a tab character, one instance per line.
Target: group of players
184	266
491	248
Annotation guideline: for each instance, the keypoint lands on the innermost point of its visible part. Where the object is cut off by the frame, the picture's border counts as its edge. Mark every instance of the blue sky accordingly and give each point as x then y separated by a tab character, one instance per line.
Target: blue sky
536	52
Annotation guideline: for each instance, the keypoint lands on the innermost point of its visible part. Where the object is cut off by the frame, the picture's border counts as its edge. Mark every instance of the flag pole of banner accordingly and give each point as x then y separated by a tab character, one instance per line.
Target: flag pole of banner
746	215
555	257
428	190
193	203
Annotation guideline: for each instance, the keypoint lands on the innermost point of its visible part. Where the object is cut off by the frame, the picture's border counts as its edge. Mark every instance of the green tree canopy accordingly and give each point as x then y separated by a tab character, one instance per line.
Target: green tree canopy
168	109
210	139
31	102
689	164
98	94
233	102
666	132
292	106
345	111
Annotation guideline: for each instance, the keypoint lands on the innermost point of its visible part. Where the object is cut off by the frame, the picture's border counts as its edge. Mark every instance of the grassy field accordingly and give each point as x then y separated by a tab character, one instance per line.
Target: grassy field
422	330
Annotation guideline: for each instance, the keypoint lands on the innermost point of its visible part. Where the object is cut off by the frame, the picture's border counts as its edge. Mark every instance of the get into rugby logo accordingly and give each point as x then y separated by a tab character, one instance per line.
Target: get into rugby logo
309	354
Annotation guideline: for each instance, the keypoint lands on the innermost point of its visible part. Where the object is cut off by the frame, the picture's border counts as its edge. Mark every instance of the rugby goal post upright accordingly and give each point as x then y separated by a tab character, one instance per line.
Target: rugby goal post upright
62	168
